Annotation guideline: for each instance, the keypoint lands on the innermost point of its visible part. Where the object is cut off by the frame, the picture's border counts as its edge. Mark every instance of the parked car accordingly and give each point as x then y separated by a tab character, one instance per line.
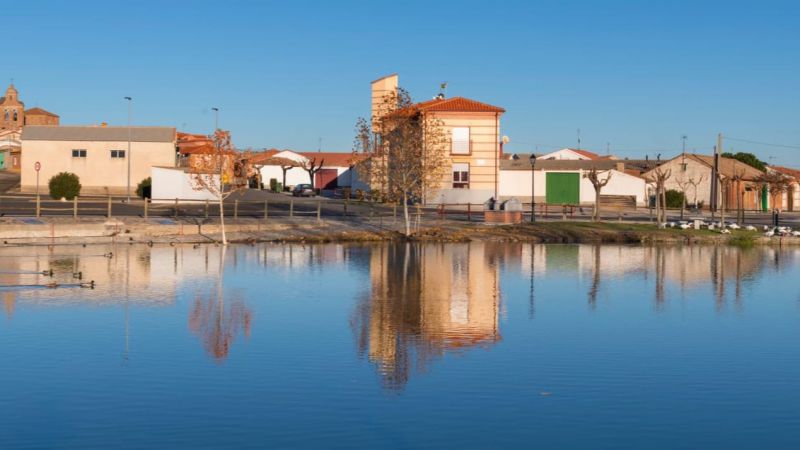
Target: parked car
303	190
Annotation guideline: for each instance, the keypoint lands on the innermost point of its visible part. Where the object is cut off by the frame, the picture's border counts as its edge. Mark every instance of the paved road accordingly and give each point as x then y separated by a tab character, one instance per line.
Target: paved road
251	204
8	180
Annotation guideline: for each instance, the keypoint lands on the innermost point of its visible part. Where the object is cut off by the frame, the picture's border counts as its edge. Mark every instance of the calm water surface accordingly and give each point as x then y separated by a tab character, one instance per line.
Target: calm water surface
400	346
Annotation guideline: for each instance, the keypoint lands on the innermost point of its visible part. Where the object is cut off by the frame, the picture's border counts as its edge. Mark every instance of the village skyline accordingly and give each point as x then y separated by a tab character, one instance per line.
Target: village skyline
297	80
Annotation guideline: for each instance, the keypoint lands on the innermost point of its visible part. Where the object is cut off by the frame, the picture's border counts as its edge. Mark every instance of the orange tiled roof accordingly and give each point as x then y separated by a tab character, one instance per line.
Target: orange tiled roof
794	173
457	104
40	112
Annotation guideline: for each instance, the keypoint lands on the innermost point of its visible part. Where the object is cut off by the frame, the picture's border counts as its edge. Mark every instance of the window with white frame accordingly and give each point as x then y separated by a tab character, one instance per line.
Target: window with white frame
117	153
461	176
79	153
460	141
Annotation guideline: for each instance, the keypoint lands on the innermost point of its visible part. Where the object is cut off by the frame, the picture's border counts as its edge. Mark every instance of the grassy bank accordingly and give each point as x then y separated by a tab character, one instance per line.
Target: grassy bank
64	231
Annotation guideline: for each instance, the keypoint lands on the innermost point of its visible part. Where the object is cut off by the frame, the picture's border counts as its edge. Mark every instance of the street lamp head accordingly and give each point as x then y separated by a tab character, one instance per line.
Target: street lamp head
215	109
128	98
533	159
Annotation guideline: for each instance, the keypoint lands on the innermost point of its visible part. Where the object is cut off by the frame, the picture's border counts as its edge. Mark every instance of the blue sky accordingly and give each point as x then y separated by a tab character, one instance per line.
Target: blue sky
635	74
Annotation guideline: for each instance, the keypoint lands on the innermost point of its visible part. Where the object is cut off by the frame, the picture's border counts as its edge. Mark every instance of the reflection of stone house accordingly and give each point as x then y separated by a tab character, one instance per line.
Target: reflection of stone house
425	301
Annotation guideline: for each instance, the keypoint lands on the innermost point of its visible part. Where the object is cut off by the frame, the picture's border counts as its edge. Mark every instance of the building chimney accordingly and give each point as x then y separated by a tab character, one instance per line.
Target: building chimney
380	89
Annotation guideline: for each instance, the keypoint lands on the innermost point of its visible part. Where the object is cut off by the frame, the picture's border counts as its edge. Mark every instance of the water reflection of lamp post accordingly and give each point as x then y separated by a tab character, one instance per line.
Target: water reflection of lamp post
533	200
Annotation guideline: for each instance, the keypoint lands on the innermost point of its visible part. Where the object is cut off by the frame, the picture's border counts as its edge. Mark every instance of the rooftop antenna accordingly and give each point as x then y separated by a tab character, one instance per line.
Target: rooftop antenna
443	89
683	138
319	145
579	138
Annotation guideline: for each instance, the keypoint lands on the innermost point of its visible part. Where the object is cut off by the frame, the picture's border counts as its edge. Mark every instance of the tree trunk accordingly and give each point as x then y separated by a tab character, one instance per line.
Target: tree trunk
683	202
596	205
664	201
222	219
405	214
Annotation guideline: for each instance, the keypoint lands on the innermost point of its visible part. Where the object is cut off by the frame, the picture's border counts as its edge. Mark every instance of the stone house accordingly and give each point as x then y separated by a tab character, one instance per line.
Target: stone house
473	153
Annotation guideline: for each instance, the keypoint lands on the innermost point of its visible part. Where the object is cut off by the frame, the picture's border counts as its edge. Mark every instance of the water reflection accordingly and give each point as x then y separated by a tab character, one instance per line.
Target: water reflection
425	300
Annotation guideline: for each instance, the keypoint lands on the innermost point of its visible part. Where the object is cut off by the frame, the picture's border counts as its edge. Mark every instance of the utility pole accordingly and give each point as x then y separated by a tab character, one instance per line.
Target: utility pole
128	155
715	175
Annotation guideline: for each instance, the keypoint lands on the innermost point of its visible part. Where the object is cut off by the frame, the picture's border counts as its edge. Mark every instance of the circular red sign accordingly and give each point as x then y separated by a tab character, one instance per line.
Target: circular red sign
37	166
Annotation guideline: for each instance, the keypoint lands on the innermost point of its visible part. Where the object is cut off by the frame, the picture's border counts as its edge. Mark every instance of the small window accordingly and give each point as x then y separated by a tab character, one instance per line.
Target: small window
79	153
460	141
117	153
15	116
6	115
461	176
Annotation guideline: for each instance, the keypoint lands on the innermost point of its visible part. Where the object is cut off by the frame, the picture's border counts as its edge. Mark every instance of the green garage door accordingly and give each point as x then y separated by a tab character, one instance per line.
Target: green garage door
563	188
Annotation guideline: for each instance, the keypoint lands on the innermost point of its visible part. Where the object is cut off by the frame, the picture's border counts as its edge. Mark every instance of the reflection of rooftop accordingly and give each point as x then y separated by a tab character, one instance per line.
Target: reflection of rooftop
424	301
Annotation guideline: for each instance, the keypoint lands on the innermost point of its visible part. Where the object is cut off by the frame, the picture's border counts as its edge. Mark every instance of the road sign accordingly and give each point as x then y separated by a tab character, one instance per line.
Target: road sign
37	166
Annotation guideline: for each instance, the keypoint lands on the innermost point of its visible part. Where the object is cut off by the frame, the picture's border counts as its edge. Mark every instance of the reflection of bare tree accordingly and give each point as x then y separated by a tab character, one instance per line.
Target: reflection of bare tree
661	264
595	287
217	323
425	300
9	303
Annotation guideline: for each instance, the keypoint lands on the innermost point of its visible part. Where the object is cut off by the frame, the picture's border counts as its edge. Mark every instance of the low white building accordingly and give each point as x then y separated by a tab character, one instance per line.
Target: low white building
336	170
170	183
565	182
98	155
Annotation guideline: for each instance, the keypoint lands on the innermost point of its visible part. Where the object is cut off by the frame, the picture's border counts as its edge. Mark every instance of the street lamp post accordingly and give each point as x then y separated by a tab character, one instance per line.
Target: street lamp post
128	154
533	192
216	118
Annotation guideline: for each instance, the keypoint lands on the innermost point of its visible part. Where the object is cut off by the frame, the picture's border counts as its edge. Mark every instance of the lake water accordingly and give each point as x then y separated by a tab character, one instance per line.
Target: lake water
400	346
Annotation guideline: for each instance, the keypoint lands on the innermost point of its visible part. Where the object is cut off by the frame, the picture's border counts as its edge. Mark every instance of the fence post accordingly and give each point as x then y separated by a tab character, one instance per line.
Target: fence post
563	212
38	206
469	212
75	207
266	210
176	208
291	208
319	211
109	207
146	207
206	208
345	206
236	209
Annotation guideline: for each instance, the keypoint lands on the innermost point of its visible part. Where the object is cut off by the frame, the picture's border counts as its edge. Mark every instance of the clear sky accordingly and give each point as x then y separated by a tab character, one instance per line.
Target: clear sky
635	74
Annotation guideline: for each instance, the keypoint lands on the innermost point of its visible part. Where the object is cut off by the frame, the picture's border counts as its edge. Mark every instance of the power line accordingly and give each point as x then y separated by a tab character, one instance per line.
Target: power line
762	143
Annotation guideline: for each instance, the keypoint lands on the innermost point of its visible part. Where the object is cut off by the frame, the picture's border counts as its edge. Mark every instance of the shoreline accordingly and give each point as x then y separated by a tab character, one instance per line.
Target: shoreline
60	231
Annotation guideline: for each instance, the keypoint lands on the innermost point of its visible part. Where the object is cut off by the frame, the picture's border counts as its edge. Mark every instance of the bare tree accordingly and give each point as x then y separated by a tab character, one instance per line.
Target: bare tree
406	152
659	177
694	182
776	184
310	165
735	183
682	183
598	184
220	170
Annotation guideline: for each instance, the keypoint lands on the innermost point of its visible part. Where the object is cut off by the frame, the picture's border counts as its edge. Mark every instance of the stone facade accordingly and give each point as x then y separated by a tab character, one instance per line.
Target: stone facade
12	111
13	115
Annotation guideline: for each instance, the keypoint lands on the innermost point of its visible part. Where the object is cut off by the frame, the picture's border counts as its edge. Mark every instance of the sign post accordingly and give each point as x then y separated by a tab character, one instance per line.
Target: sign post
37	166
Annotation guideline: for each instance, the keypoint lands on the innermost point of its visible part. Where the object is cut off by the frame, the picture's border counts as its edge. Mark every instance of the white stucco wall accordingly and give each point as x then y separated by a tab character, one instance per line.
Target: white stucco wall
98	171
517	183
172	183
620	184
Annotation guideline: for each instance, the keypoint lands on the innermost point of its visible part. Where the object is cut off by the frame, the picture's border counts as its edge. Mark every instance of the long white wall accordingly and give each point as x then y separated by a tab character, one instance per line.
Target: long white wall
517	183
98	171
172	183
